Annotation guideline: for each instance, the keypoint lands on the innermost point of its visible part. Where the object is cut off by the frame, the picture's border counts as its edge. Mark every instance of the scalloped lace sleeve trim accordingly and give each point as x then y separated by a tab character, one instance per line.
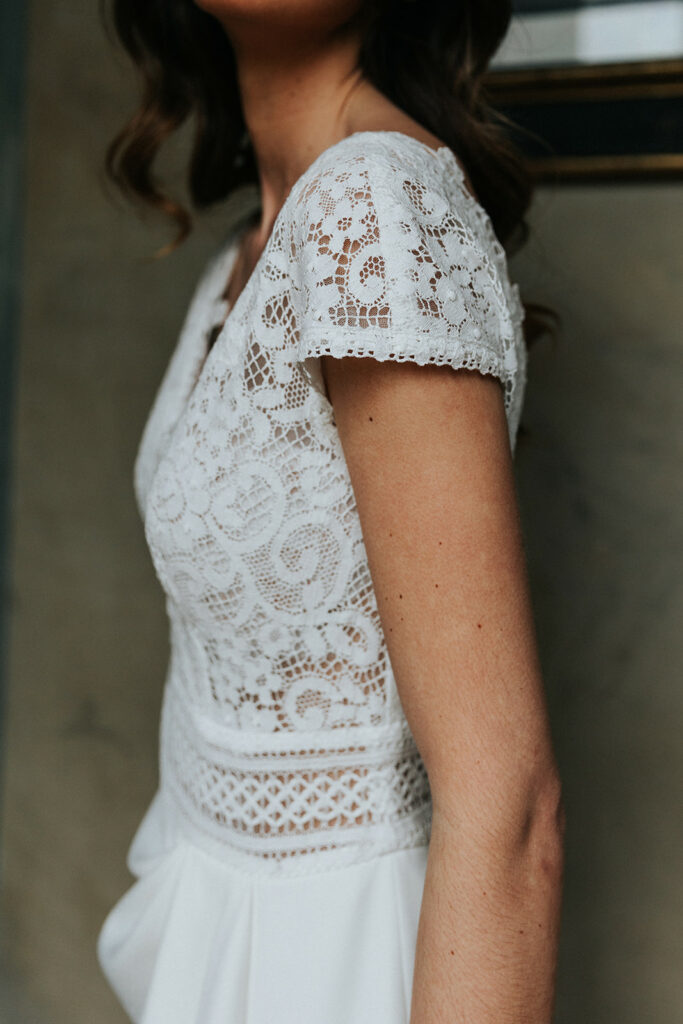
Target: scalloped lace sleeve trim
392	266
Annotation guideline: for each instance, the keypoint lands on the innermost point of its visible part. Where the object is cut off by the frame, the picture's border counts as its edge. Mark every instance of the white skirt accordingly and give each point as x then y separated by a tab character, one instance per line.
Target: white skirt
197	941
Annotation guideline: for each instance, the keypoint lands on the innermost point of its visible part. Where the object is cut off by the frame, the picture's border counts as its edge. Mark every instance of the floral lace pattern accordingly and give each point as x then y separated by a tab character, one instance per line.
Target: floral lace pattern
282	730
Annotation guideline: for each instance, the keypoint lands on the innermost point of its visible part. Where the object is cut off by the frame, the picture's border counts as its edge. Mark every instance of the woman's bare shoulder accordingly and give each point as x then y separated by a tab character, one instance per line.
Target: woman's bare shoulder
381	115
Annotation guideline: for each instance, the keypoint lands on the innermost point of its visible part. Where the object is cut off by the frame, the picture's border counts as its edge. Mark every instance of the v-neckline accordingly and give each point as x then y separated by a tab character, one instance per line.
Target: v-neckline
226	260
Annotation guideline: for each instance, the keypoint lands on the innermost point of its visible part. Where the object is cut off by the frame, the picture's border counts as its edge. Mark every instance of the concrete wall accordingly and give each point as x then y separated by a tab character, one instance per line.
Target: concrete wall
599	481
88	639
602	497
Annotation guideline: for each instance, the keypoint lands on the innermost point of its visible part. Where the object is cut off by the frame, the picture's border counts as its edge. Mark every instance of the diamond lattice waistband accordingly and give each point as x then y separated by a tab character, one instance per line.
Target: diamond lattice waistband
277	802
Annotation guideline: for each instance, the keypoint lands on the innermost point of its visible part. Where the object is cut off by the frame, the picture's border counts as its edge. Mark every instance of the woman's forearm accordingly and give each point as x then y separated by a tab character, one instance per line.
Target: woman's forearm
429	456
489	925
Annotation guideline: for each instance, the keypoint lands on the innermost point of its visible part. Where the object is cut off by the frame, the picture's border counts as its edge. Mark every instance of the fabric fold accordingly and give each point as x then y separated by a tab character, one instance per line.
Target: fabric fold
196	941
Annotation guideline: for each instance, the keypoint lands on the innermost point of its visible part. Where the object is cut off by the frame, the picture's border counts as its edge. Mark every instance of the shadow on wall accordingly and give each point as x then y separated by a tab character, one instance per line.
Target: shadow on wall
15	1006
601	494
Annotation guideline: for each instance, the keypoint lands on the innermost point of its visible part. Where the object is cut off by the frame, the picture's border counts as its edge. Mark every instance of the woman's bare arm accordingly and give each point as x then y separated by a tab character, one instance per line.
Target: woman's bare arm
429	458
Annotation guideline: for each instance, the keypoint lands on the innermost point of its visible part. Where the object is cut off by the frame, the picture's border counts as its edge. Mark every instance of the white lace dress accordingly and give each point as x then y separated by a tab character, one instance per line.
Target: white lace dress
279	868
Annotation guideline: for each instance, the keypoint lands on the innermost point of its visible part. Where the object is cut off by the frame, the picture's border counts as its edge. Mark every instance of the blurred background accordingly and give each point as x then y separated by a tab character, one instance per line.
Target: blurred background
88	323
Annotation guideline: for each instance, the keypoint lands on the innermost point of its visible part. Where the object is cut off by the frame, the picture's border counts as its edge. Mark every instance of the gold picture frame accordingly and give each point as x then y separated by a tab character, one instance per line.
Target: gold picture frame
600	121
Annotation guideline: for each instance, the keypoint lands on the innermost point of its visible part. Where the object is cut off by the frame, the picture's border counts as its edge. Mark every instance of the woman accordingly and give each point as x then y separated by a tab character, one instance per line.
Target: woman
359	817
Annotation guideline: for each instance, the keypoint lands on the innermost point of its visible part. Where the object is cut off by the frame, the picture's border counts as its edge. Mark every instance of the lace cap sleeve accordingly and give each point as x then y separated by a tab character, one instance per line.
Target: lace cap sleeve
393	261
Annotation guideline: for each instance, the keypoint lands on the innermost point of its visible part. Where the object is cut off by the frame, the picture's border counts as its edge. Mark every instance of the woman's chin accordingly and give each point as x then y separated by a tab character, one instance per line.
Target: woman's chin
281	12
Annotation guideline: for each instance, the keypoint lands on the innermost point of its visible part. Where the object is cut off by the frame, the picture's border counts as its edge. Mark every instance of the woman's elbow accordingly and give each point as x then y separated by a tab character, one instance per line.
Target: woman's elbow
546	822
513	817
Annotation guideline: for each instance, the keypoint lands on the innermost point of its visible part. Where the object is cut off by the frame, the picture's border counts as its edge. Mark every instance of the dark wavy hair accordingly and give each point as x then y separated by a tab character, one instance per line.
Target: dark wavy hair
428	60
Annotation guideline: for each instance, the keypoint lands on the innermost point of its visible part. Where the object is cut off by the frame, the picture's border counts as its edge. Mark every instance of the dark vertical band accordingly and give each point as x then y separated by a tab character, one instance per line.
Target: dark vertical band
12	172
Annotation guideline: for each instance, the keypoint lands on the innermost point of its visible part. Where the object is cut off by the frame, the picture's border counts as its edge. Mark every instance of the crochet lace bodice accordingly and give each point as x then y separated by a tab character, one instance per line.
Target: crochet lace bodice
283	742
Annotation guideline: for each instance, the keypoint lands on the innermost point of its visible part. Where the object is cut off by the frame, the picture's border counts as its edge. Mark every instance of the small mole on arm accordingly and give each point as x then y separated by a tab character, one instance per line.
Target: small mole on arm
479	625
452	952
370	418
401	596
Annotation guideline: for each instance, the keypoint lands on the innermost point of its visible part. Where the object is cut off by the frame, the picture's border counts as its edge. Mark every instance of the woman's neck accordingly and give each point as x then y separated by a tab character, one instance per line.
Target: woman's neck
298	97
